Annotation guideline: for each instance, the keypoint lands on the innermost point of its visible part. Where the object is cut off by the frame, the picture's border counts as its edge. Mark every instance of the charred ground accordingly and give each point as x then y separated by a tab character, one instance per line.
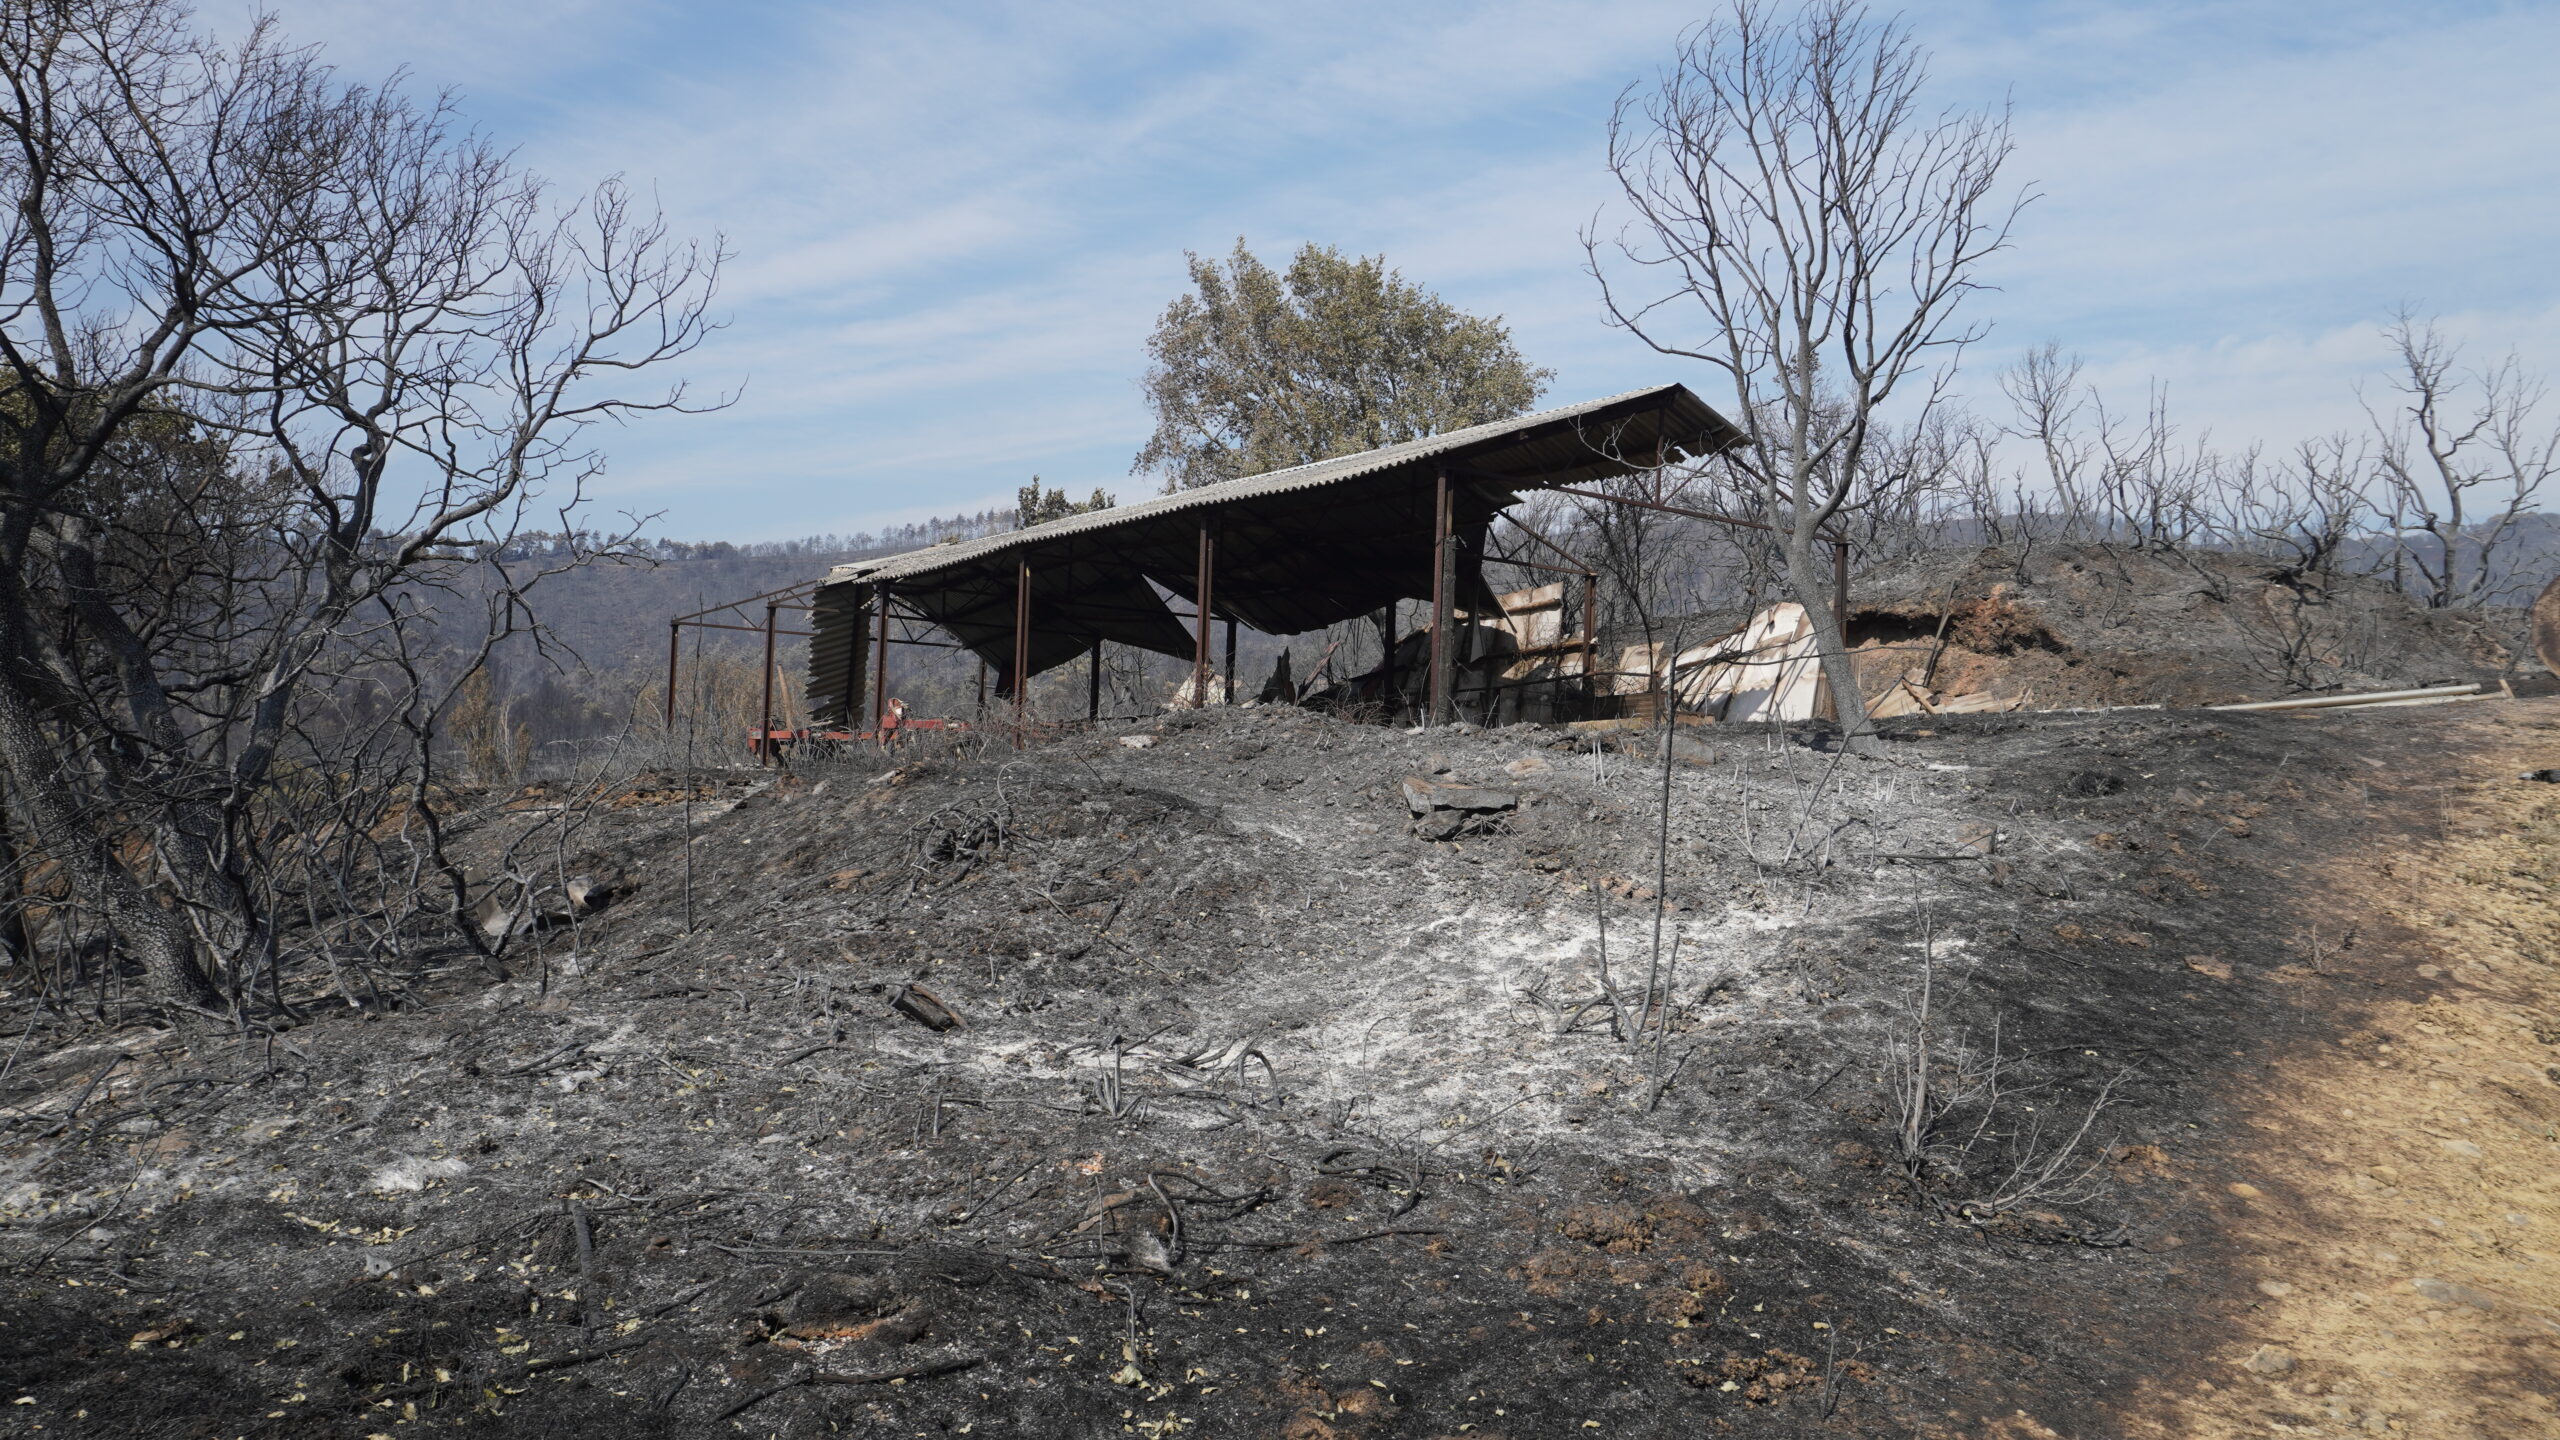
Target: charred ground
1270	1115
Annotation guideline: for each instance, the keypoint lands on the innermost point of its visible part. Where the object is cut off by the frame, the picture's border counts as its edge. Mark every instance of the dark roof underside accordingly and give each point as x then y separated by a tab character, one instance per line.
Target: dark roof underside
1295	551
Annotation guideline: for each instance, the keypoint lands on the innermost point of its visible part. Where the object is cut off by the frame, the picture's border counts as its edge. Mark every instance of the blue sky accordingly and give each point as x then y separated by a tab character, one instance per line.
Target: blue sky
954	224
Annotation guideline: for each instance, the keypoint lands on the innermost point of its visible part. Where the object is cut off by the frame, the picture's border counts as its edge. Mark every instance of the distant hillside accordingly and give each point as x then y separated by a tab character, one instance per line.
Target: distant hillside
607	624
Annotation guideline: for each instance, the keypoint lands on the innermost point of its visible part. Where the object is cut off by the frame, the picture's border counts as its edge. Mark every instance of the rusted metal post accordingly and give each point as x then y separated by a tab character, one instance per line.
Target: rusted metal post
1200	622
1466	576
675	651
982	689
848	703
880	670
764	735
1431	654
1231	659
1443	577
1093	682
1021	643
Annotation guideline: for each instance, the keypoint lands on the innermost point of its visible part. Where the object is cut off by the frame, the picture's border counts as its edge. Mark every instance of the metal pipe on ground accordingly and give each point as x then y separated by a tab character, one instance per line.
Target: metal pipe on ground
2424	700
2369	697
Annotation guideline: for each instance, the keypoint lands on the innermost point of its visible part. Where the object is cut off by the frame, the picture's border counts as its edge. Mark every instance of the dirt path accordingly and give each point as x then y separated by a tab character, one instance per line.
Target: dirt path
2397	1212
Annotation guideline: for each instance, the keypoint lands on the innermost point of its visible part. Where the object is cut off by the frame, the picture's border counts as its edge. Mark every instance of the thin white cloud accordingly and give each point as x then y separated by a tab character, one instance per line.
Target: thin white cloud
954	224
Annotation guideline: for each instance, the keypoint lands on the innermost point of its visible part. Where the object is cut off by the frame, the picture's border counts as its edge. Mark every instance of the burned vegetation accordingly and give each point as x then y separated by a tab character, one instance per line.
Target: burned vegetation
1241	1072
1644	1044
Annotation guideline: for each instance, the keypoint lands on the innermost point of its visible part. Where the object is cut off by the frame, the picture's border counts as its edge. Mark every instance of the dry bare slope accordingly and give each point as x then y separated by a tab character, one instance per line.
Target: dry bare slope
2396	1205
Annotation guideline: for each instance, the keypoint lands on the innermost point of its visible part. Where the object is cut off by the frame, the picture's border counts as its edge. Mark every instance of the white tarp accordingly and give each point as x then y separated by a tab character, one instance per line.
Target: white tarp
1770	669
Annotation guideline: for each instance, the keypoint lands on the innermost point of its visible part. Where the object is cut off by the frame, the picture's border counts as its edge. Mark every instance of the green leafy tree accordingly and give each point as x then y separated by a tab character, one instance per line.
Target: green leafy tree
1033	505
1257	370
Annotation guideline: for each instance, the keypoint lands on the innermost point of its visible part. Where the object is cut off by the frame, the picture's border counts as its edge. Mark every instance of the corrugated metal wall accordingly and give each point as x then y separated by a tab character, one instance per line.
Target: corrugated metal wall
839	654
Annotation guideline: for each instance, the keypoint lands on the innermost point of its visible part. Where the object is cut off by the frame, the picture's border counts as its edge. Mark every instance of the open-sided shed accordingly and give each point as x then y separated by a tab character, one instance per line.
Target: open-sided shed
1282	553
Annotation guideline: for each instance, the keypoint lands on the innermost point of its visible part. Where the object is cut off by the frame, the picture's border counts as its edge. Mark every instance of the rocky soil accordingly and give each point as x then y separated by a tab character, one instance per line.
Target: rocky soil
1947	1102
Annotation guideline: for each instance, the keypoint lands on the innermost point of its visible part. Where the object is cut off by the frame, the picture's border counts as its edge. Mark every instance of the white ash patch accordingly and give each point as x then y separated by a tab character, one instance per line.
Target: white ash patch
412	1173
1440	1039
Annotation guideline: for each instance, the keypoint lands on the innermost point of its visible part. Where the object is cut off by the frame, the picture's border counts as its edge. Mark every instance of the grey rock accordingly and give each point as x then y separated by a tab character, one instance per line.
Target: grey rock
1423	796
2268	1360
2445	1292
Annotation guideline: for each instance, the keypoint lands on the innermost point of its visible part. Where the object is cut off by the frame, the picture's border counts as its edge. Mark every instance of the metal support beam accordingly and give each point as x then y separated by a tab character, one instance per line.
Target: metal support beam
1466	577
764	736
746	629
1443	582
1542	565
1093	682
1231	660
849	703
1201	600
1665	509
1579	568
782	597
880	665
1679	510
1021	643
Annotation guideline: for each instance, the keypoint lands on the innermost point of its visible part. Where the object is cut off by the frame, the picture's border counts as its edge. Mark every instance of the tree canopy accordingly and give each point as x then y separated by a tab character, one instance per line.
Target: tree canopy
1257	370
1034	505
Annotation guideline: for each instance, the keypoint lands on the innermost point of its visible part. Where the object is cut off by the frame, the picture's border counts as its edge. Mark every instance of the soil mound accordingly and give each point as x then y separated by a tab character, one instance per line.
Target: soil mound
2060	626
1255	1073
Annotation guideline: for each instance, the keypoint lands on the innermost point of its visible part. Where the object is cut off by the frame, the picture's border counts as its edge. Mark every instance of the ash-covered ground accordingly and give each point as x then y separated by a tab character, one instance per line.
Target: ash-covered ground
1267	1112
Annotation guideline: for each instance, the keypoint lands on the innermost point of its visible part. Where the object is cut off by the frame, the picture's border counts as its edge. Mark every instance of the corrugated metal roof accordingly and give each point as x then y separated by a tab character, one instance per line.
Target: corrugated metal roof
1695	429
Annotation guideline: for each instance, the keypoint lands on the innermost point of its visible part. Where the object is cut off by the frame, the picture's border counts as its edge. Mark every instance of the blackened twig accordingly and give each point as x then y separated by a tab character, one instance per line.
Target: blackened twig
589	1300
684	1299
565	1051
1827	1079
668	1396
542	1366
919	1370
82	1099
